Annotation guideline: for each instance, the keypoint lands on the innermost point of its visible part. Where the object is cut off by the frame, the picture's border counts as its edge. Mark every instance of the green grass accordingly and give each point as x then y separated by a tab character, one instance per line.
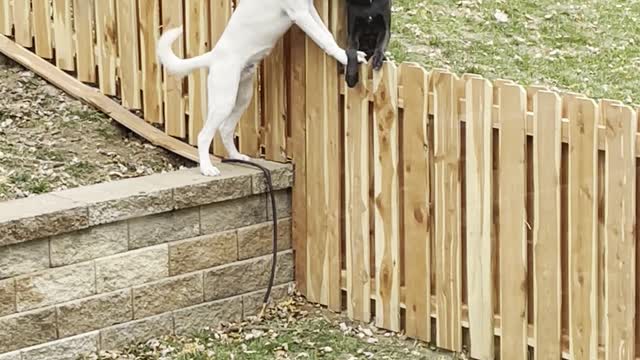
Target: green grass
589	46
29	183
80	168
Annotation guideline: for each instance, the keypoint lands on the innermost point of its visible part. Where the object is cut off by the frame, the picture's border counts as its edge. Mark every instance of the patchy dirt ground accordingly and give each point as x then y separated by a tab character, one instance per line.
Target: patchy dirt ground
291	330
50	141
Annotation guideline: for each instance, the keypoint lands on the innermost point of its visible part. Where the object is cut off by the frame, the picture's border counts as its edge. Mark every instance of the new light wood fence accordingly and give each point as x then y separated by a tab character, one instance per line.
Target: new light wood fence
471	214
464	212
474	211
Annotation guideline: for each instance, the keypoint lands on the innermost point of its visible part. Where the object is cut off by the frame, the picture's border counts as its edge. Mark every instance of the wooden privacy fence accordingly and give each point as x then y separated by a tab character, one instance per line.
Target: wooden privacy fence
111	44
468	213
481	215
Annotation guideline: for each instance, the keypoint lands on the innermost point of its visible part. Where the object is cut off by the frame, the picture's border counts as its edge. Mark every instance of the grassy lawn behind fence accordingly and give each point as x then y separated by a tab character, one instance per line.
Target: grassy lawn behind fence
588	46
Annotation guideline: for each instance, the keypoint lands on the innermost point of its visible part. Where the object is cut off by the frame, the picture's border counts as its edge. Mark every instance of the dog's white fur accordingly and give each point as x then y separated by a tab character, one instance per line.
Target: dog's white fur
252	31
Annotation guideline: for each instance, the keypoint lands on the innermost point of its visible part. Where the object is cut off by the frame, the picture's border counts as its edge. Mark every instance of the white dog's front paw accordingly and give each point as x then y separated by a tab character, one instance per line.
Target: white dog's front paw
209	170
341	56
362	57
239	156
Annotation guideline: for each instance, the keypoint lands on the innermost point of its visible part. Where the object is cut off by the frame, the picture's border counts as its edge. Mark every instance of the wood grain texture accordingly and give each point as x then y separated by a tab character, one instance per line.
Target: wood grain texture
357	211
107	46
583	223
317	268
22	22
479	203
173	90
6	17
275	110
63	35
512	235
415	189
387	199
42	24
83	12
547	270
334	167
197	37
128	53
297	111
448	250
249	125
619	236
323	247
149	31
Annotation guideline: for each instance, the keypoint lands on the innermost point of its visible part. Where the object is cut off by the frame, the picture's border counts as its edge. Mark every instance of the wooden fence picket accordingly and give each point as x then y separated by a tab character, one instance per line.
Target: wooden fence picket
274	134
249	125
128	51
447	213
386	194
63	35
107	46
334	161
174	102
22	22
415	189
619	218
149	29
547	147
512	234
6	17
323	246
41	28
583	151
479	202
297	116
83	11
357	212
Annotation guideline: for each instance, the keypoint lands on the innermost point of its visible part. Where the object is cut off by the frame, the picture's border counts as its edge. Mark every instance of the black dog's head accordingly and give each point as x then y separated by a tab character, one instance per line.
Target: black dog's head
369	30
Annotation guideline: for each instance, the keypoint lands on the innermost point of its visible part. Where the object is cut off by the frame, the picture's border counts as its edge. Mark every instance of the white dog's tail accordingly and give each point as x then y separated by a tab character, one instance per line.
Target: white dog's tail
171	62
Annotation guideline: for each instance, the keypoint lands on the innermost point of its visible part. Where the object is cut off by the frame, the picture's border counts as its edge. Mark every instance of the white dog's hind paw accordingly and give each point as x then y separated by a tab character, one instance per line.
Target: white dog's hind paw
240	156
362	57
209	170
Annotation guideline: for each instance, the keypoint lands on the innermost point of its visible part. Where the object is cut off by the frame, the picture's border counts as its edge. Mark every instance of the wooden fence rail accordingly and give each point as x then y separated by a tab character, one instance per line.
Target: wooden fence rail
459	210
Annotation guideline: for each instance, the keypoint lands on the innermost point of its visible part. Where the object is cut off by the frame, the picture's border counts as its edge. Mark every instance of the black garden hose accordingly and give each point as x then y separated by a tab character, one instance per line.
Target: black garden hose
269	183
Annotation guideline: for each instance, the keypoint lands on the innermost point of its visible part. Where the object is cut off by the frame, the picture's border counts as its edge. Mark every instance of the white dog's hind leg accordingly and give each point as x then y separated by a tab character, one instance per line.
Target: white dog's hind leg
222	86
227	129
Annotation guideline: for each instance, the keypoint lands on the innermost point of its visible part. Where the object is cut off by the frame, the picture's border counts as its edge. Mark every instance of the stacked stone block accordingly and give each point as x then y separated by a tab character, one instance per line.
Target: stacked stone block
103	266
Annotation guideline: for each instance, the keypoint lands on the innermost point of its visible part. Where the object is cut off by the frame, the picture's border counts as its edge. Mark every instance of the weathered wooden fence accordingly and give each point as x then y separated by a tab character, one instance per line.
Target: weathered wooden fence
465	212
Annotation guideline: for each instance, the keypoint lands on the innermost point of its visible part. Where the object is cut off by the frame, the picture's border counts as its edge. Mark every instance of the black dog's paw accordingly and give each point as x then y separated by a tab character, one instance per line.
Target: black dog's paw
377	60
351	73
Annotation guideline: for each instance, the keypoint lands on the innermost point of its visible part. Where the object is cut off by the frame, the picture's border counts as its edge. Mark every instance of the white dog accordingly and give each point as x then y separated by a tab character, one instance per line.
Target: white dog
252	31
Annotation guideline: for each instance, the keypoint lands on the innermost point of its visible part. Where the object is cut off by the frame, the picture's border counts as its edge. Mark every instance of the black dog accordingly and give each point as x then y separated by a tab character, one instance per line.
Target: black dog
368	30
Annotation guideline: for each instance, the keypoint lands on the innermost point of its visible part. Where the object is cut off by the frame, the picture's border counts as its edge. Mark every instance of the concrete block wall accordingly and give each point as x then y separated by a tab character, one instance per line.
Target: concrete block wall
103	266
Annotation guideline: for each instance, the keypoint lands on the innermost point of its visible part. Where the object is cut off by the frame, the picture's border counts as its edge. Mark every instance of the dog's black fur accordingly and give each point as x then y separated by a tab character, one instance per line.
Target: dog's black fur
368	30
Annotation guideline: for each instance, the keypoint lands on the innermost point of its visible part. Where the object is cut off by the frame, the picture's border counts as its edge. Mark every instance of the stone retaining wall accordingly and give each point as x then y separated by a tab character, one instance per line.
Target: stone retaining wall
102	266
